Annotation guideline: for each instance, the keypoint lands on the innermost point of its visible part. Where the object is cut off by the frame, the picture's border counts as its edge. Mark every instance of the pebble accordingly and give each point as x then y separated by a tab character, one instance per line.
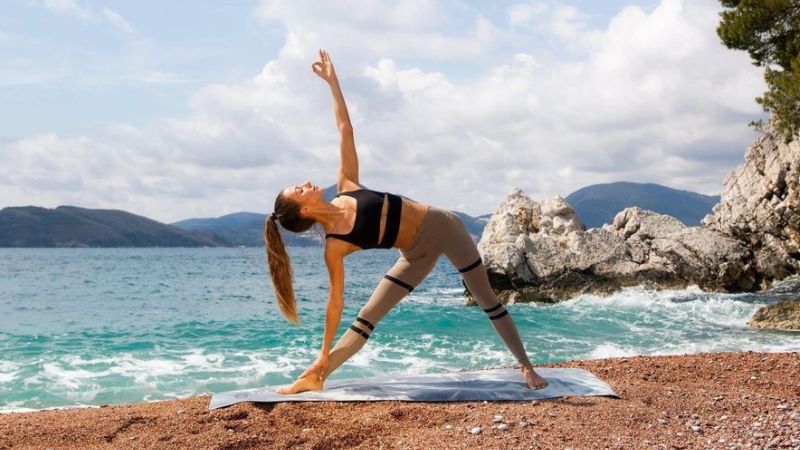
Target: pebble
476	430
181	411
662	421
696	429
485	402
523	424
448	426
502	426
534	402
230	430
305	430
497	419
723	418
783	406
754	377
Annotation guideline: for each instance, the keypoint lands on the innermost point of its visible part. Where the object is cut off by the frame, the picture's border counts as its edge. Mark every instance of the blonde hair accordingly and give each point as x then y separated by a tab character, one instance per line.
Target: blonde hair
280	267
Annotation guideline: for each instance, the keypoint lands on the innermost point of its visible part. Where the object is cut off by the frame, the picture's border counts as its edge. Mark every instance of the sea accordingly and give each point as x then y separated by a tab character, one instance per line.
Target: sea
89	327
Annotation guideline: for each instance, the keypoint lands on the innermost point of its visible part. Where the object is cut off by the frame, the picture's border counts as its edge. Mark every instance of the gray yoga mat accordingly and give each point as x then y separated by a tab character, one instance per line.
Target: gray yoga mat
495	384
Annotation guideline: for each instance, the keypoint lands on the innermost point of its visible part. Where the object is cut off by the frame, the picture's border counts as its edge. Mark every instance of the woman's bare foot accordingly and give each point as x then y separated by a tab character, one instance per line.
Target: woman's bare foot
533	379
309	383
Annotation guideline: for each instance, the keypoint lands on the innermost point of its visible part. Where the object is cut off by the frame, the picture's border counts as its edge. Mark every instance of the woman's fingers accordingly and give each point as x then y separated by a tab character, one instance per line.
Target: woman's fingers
317	67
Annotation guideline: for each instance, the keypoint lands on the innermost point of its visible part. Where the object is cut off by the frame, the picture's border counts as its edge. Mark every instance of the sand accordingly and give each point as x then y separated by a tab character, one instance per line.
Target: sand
709	400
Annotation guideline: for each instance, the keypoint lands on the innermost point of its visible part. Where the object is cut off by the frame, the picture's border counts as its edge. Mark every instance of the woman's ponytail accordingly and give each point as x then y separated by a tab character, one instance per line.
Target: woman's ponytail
280	270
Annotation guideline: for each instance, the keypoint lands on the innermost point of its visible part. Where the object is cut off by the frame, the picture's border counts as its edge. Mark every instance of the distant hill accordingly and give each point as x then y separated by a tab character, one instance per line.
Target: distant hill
69	226
246	229
475	225
599	203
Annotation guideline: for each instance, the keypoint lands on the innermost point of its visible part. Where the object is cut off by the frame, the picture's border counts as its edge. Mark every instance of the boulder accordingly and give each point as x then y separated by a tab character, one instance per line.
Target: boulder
783	315
539	251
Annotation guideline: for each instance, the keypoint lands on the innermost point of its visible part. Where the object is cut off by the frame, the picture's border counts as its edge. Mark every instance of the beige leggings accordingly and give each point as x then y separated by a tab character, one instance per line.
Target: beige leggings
441	231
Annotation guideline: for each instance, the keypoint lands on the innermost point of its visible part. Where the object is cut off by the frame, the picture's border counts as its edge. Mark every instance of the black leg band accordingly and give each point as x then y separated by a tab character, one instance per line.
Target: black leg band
359	331
493	308
366	322
505	311
471	266
400	282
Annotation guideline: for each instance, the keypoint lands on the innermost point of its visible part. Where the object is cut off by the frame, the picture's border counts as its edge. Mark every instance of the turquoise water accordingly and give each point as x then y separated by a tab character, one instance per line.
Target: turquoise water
85	327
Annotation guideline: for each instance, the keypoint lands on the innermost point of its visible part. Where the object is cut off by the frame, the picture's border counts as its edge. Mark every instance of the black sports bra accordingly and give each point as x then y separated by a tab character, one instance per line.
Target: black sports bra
366	229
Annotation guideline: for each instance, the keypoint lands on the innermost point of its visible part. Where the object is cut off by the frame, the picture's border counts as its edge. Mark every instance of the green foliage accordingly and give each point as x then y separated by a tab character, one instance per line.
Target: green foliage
769	30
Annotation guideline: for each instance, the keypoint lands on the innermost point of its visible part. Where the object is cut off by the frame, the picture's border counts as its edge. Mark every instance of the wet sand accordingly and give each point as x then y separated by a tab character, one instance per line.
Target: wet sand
709	400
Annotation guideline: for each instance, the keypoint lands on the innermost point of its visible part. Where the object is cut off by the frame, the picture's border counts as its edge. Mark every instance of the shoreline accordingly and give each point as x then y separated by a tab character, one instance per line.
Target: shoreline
708	400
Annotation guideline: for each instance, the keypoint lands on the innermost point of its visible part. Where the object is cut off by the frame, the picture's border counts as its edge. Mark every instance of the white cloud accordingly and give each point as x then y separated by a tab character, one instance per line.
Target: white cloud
522	14
654	97
73	8
117	20
67	7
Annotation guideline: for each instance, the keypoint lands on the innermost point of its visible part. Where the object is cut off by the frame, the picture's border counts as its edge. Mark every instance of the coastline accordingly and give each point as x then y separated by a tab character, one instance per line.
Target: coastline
708	400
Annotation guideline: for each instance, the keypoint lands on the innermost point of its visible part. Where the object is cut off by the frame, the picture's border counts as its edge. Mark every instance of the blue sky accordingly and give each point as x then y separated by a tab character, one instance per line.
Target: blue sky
185	109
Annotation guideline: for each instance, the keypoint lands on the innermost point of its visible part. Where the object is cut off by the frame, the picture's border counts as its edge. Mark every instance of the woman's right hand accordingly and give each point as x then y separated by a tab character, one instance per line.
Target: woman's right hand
324	67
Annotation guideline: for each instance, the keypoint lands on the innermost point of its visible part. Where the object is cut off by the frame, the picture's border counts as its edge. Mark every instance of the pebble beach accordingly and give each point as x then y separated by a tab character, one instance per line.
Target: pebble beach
726	400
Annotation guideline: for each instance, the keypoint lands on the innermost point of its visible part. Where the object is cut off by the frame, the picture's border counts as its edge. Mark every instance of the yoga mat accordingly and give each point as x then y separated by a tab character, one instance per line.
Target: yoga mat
494	384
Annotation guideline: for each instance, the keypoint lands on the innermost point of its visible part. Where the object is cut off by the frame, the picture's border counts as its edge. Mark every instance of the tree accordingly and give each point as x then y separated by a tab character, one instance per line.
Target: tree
769	30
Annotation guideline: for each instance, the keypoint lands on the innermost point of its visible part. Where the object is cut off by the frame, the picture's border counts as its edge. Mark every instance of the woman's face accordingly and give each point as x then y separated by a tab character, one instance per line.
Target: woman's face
304	194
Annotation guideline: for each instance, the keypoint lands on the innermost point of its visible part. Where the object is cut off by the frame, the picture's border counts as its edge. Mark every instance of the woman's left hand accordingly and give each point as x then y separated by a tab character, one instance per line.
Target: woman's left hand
320	366
324	67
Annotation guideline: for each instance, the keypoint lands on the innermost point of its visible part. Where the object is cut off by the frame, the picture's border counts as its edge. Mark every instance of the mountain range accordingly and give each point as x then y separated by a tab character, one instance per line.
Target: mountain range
599	203
70	226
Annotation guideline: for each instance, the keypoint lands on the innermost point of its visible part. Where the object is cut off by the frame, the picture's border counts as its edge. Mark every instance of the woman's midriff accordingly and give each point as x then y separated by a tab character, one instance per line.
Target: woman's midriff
410	220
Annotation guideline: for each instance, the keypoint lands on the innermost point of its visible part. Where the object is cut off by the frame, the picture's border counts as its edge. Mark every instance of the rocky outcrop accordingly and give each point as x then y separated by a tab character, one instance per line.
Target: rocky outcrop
539	251
760	205
783	315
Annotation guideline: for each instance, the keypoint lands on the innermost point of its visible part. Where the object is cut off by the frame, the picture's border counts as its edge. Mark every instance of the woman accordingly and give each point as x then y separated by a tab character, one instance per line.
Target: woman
359	219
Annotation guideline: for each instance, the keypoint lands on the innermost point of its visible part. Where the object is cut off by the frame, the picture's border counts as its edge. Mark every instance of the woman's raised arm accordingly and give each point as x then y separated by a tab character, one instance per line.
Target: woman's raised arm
348	169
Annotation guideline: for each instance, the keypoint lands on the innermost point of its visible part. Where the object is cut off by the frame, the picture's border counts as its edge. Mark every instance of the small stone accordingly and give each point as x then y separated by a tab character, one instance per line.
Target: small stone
305	430
485	402
678	434
696	428
476	430
662	421
448	426
754	377
181	411
497	419
534	402
783	407
230	430
502	426
723	418
523	424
